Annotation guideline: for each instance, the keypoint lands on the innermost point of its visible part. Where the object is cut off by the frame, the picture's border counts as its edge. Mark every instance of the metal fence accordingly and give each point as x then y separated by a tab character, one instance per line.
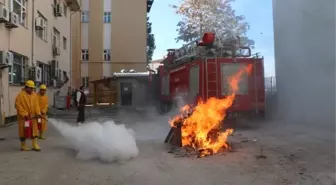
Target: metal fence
270	89
270	84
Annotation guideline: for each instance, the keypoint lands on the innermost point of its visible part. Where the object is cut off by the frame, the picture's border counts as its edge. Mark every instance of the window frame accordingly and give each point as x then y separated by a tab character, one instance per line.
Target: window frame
43	31
243	84
46	73
107	55
23	67
107	17
85	16
23	11
85	55
85	82
57	35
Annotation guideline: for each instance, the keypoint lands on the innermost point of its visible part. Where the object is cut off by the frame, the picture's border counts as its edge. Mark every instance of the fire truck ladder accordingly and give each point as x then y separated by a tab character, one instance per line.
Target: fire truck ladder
211	77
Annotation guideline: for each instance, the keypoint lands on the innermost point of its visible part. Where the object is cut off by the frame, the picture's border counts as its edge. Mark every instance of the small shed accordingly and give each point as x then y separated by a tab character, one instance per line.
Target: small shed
123	89
104	92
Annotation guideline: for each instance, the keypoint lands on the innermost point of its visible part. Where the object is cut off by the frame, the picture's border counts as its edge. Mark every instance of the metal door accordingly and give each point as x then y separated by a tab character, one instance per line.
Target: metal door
126	93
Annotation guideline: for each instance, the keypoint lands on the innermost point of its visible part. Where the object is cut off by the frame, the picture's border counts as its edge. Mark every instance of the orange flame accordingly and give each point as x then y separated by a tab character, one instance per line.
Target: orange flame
201	125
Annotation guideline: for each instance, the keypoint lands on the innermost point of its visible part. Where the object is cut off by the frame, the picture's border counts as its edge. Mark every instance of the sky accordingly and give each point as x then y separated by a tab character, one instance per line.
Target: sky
258	15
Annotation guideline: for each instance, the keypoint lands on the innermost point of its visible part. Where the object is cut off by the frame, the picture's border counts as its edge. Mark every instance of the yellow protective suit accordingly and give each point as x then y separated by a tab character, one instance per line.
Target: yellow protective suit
27	106
43	104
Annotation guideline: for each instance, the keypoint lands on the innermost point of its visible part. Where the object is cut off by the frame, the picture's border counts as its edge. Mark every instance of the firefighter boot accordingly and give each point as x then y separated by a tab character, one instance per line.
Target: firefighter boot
35	145
42	135
24	147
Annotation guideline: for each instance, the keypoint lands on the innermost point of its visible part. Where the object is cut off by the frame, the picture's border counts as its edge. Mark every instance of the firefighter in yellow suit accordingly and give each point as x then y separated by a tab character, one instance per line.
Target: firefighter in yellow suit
43	103
26	104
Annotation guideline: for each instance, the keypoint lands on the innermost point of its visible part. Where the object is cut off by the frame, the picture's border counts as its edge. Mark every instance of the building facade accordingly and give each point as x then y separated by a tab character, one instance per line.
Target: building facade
305	60
34	44
154	64
108	36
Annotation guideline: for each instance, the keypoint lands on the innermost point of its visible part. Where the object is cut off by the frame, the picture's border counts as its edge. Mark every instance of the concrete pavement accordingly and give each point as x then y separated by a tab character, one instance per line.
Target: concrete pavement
294	154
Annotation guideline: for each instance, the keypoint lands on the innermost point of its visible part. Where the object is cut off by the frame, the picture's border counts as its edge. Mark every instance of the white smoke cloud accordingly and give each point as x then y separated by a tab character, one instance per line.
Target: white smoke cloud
107	141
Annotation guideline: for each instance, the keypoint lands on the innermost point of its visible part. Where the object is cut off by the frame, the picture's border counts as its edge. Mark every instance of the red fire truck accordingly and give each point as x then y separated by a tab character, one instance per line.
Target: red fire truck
199	70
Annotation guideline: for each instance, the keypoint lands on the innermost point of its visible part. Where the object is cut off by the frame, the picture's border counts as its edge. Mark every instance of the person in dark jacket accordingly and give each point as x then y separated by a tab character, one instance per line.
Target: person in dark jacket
81	102
74	98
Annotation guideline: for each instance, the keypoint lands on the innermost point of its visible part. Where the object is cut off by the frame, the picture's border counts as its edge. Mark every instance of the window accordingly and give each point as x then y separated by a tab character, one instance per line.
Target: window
56	38
229	69
85	54
64	43
107	54
65	10
42	33
46	73
85	16
107	17
19	7
85	82
194	81
18	72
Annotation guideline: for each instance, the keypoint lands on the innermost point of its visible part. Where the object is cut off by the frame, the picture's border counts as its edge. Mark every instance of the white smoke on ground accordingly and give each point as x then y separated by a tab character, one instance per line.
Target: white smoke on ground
107	141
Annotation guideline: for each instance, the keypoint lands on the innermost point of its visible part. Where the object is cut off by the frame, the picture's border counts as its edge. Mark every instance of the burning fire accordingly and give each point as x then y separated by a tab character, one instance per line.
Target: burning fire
201	125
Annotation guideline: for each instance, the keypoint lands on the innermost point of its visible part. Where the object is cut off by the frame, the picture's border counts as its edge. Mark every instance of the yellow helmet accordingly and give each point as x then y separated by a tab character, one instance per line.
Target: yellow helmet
30	83
43	87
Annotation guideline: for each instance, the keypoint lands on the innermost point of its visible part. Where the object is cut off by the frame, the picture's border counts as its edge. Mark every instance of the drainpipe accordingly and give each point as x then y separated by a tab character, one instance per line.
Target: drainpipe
33	34
70	56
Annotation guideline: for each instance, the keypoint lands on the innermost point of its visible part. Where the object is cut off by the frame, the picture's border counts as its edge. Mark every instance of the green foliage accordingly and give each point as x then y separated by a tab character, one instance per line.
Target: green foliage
199	16
150	41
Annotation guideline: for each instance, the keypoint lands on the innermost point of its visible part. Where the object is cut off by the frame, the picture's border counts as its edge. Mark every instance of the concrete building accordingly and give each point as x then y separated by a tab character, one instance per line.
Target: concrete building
108	36
34	44
154	65
304	32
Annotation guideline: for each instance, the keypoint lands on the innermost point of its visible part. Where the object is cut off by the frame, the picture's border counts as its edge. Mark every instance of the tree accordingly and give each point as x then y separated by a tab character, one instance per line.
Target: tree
150	41
199	16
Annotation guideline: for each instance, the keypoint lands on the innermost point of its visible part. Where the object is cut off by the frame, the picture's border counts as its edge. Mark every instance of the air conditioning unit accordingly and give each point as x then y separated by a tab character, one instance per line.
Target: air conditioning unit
39	24
4	14
56	51
13	20
58	10
7	58
37	74
132	71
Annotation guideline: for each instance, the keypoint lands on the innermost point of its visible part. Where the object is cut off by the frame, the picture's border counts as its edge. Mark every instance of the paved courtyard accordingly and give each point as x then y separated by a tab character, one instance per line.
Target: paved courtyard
264	154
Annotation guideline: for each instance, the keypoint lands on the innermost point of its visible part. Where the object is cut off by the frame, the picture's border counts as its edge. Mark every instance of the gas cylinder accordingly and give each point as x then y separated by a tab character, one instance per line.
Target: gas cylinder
28	128
68	102
39	124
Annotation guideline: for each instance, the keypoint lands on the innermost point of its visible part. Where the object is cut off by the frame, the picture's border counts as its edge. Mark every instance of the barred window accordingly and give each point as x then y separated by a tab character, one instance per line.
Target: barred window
18	72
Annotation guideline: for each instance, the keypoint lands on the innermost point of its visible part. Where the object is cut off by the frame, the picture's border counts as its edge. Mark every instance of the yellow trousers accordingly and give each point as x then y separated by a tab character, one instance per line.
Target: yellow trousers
44	124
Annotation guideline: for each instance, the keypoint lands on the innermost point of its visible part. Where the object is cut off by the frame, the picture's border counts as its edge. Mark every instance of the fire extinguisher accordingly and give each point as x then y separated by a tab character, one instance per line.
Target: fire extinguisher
39	124
28	128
